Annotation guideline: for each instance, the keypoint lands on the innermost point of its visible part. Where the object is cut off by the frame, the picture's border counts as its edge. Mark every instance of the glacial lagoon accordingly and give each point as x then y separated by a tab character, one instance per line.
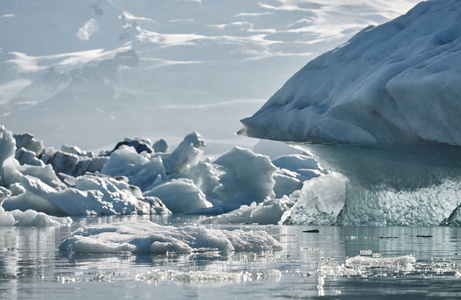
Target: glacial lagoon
333	263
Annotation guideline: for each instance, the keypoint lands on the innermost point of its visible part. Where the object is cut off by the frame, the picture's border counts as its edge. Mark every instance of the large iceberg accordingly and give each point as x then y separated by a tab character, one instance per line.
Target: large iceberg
385	85
383	110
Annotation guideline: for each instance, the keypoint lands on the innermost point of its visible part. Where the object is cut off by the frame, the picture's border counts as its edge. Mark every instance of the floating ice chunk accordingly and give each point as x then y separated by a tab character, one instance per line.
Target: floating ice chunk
145	236
248	177
186	155
180	195
319	201
366	266
31	218
142	169
268	212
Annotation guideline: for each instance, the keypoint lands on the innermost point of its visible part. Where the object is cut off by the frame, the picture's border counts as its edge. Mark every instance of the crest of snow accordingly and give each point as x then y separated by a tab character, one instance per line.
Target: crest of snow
146	236
84	33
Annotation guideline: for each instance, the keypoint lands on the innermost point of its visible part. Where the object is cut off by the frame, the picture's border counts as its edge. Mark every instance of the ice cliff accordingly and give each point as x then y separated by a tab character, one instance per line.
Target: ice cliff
383	109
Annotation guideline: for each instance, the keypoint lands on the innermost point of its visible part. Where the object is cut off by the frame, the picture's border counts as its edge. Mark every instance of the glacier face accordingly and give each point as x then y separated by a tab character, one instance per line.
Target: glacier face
384	86
383	110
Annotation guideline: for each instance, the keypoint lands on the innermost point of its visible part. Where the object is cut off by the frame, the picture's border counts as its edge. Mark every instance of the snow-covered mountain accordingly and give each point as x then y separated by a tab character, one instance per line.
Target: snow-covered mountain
398	83
92	72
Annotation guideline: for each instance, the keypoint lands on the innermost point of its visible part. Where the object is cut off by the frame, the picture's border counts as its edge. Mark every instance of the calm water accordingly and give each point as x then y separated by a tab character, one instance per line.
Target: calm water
310	266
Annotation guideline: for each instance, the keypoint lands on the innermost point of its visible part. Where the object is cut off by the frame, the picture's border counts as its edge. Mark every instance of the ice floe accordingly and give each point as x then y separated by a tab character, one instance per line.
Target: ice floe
146	236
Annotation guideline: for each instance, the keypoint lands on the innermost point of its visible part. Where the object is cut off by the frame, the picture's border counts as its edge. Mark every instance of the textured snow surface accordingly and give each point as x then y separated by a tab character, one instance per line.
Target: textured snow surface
385	85
145	236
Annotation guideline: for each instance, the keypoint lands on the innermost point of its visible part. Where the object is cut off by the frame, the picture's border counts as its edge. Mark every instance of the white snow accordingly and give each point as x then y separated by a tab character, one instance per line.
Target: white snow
145	236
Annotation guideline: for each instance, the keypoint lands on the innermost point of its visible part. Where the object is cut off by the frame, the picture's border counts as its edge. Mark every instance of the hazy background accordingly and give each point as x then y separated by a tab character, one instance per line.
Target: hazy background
90	73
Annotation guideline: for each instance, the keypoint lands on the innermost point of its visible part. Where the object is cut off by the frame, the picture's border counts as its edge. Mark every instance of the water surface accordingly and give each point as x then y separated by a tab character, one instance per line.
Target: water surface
312	265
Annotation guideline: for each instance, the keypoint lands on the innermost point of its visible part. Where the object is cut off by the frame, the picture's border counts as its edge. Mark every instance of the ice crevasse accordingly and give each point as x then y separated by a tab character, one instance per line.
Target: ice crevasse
384	110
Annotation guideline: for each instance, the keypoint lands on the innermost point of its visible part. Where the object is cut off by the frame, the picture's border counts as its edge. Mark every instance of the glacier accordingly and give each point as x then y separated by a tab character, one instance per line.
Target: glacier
383	110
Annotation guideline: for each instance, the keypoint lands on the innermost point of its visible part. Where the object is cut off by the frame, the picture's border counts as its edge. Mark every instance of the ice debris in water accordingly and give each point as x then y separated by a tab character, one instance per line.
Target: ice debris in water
369	263
208	277
146	236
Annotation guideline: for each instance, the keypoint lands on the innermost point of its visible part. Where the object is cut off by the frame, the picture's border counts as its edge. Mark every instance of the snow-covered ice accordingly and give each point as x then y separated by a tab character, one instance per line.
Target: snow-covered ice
383	86
146	236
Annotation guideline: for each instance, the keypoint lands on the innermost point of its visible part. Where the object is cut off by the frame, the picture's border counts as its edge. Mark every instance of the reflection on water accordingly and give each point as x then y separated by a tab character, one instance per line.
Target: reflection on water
397	262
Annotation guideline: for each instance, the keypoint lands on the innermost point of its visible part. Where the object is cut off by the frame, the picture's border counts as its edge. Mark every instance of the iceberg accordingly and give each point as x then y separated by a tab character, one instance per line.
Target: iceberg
148	237
383	110
385	85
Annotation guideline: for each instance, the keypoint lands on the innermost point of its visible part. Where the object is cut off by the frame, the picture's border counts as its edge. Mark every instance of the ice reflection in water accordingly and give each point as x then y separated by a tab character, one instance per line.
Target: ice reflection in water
346	262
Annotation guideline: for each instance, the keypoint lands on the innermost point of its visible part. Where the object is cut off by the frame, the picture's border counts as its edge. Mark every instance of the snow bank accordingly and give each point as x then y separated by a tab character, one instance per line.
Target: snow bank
145	236
384	86
248	176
